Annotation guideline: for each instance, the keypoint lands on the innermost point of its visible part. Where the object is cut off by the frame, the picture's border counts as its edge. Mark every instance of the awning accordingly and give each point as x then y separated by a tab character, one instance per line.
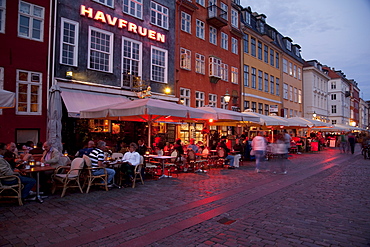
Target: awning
77	101
6	99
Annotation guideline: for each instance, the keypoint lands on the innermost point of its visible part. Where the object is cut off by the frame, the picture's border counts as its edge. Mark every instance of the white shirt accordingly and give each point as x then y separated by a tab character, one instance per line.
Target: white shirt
259	143
133	158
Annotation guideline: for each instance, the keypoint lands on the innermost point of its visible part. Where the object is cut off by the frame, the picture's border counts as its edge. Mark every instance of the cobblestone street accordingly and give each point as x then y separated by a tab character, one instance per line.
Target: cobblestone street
324	200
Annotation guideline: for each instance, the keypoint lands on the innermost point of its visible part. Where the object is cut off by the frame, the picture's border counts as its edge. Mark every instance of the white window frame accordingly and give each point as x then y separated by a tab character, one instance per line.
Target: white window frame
234	45
201	2
288	45
213	35
224	72
295	95
29	83
234	18
110	53
109	3
290	69
272	84
71	43
185	95
133	8
1	83
199	99
215	67
285	91
295	71
32	18
200	29
212	100
290	93
185	22
254	78
299	96
285	65
132	58
163	68
333	85
223	104
200	64
333	96
266	82
334	109
185	58
246	75
225	8
2	16
159	15
234	75
299	74
224	41
260	80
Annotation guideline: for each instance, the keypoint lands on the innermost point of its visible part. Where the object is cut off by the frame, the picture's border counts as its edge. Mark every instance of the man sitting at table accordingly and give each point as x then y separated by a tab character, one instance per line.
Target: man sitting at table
6	170
87	150
227	156
51	156
11	156
193	146
130	160
97	159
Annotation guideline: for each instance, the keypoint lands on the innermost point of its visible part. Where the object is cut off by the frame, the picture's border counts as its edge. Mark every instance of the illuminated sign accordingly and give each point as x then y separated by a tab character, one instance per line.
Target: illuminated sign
121	24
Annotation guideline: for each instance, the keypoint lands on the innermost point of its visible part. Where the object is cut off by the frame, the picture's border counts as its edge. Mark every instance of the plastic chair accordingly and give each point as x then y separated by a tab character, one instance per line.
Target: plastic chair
7	191
90	177
70	179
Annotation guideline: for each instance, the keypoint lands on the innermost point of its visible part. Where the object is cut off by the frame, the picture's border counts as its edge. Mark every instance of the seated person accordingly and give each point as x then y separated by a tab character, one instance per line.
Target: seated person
6	170
142	148
38	149
130	160
51	156
193	146
12	157
87	150
227	156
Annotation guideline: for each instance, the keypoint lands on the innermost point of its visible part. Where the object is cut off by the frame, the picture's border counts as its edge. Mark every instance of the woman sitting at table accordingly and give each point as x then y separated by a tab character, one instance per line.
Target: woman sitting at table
130	160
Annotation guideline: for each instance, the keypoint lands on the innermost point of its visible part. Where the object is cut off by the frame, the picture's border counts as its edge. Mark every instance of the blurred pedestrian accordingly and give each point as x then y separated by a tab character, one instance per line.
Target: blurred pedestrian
352	141
280	151
259	145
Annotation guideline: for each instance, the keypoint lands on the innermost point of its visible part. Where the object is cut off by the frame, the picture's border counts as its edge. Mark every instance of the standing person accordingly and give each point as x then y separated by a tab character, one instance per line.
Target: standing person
131	160
352	141
97	158
287	139
343	142
280	150
227	156
238	148
259	149
141	149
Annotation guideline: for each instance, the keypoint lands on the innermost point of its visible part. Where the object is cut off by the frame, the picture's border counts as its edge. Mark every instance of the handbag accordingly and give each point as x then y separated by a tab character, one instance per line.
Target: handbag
252	152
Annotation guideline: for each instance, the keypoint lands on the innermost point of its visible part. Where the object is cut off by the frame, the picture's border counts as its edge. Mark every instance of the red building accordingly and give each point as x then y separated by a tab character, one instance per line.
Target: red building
24	40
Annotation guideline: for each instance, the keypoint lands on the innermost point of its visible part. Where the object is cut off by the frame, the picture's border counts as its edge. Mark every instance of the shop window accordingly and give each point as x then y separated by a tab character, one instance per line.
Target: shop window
99	125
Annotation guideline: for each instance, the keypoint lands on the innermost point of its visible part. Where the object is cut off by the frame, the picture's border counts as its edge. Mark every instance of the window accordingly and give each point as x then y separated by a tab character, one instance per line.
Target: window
291	113
100	50
200	29
266	54
213	35
266	82
333	121
106	2
131	60
299	96
159	64
29	85
225	8
259	50
159	15
299	74
247	17
260	80
267	109
285	65
246	105
185	96
234	75
234	18
334	85
295	71
295	95
333	96
185	59
133	7
224	72
277	86
272	57
212	100
260	108
246	43
234	45
285	91
277	60
224	41
333	109
254	106
290	69
200	2
200	64
215	67
253	47
290	93
272	84
185	22
31	21
223	103
199	99
69	42
246	75
253	77
2	15
288	45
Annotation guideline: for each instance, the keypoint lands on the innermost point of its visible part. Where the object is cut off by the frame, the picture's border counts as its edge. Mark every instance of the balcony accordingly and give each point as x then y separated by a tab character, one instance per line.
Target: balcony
216	16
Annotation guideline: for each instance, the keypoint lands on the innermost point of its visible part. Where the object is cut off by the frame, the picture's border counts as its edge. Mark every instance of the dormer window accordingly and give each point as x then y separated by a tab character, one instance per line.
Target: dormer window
262	27
297	51
247	17
288	45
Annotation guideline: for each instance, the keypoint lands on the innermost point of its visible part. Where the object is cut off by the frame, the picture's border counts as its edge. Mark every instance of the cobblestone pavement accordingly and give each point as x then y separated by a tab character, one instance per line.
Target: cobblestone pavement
324	200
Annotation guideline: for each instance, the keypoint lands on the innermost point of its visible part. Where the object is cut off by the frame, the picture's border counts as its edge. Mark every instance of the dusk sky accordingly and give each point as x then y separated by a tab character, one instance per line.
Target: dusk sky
334	32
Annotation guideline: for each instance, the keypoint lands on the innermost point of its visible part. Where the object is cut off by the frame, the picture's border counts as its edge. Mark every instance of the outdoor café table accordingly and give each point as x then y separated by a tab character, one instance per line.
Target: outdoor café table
162	158
37	170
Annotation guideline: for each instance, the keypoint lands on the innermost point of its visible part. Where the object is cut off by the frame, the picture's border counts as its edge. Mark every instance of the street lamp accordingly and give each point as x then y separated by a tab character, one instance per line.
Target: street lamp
314	114
227	97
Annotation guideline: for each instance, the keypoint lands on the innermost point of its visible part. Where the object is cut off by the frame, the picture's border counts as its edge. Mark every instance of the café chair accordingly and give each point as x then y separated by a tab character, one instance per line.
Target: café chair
221	153
101	180
115	156
11	191
191	160
70	178
137	172
175	163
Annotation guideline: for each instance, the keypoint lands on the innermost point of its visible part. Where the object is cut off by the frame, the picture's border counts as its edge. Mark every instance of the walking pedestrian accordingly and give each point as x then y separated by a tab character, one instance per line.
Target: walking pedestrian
259	149
343	142
281	152
352	141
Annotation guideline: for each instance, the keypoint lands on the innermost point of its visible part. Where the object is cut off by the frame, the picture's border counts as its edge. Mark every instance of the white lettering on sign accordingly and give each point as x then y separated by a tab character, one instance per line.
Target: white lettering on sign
121	24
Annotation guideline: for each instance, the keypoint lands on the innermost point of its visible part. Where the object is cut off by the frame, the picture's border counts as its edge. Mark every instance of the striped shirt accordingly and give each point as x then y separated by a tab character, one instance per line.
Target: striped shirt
95	156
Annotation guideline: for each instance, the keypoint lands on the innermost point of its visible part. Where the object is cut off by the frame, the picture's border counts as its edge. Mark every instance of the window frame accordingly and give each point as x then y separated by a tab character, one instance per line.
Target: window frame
234	18
200	29
138	8
214	67
29	84
234	45
110	53
285	91
2	16
31	19
185	58
160	16
234	75
163	67
199	99
105	2
200	64
185	22
266	82
224	41
132	59
212	35
73	45
212	100
185	95
246	75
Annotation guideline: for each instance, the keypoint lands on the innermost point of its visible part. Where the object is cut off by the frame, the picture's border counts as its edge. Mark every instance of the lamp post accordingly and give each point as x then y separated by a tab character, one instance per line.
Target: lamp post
227	98
314	115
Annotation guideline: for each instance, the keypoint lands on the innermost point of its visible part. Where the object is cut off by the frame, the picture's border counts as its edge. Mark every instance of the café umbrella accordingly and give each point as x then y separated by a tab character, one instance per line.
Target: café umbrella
148	110
54	128
6	99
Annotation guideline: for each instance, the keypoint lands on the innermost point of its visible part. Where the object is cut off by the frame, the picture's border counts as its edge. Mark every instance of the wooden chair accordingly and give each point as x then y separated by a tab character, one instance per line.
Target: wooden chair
11	191
137	172
191	159
174	165
69	179
221	153
92	179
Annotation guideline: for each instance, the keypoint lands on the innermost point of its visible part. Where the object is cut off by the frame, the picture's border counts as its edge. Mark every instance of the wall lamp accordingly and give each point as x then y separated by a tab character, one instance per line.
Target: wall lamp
227	97
69	73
